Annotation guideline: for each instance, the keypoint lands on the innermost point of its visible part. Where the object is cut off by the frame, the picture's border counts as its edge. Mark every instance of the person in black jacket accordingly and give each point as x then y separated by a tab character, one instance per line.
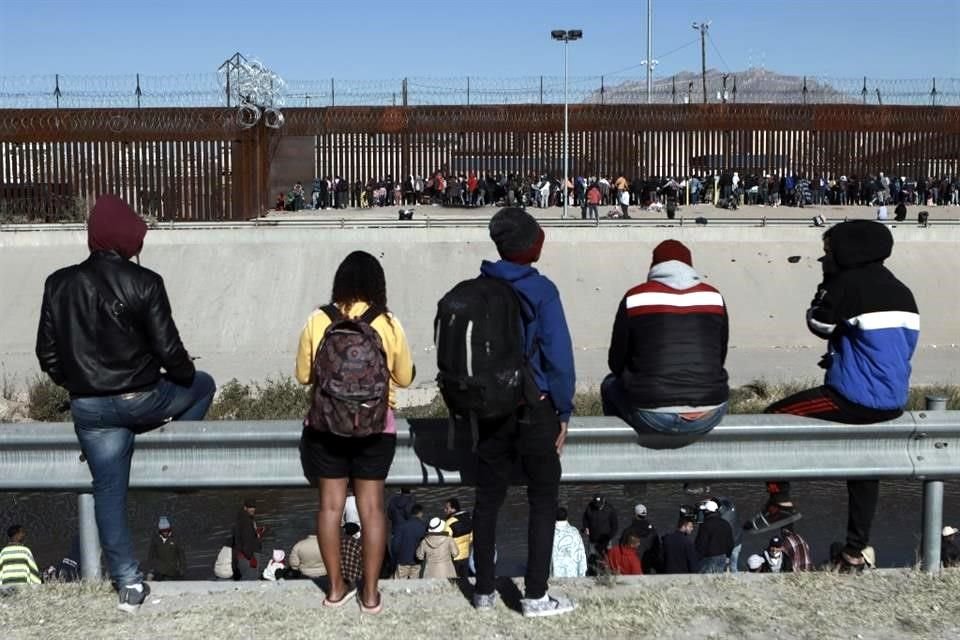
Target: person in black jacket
714	539
246	543
167	557
600	524
107	335
679	553
667	378
649	549
775	560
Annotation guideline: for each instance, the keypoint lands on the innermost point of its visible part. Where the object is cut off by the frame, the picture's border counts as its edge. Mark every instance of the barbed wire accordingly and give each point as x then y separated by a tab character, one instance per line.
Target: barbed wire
207	90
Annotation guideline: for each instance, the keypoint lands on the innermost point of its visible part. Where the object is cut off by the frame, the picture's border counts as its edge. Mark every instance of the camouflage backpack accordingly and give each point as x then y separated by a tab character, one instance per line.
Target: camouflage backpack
350	377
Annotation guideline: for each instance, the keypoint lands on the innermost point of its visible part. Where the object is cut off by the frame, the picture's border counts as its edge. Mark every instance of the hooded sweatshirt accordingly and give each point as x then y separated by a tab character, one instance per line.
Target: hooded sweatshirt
669	341
546	336
868	316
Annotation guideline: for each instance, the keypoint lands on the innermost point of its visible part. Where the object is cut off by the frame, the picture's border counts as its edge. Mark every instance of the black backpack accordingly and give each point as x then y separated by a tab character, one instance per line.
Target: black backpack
482	364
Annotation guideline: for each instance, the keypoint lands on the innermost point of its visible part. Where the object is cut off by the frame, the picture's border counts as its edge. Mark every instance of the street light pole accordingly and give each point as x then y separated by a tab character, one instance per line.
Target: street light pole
565	36
649	60
566	133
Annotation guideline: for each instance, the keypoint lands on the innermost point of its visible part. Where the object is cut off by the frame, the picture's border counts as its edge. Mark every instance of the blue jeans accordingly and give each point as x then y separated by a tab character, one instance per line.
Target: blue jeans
735	559
713	564
656	430
106	426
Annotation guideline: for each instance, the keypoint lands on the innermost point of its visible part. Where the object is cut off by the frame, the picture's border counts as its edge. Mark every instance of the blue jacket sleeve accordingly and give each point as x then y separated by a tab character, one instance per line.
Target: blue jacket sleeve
557	351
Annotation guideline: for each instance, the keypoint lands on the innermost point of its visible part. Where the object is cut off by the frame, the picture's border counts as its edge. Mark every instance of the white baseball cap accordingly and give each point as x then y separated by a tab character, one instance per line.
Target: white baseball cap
949	531
640	510
710	505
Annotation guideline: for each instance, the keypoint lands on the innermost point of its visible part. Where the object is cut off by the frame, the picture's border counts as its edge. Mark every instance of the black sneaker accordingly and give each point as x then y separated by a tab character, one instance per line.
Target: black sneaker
773	517
132	596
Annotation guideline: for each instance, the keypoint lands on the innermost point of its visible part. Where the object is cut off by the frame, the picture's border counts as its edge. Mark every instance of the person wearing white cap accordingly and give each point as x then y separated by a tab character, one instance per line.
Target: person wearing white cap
950	547
714	540
437	551
755	564
167	557
649	548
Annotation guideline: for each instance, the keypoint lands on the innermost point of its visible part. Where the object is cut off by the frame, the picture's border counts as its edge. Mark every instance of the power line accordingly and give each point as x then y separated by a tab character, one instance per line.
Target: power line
720	55
658	57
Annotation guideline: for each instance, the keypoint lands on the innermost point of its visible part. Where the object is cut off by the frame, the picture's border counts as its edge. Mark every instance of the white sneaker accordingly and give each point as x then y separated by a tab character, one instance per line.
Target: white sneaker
546	606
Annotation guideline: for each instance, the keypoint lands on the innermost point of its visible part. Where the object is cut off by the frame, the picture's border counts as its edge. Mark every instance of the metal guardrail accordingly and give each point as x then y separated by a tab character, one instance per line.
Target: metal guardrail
923	445
426	222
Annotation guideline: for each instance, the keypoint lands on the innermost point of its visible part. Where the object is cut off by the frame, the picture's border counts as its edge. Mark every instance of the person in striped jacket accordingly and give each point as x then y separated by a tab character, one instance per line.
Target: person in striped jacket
667	353
17	565
871	324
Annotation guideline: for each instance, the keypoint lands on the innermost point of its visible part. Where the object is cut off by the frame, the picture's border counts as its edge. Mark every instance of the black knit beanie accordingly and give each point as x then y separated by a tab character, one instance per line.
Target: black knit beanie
517	235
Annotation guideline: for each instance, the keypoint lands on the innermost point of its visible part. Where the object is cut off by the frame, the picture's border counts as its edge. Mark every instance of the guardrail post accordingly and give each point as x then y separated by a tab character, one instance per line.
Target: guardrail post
932	507
90	538
932	523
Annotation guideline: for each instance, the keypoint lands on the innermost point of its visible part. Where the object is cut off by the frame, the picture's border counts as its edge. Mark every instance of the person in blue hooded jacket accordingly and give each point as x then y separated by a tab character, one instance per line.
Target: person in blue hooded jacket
871	323
536	433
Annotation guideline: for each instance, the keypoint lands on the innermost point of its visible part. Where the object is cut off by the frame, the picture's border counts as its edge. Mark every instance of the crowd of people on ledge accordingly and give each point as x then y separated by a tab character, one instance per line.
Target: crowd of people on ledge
506	374
725	188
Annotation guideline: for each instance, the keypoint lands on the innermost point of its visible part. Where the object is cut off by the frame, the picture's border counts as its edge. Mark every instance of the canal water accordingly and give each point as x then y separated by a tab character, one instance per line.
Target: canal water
203	519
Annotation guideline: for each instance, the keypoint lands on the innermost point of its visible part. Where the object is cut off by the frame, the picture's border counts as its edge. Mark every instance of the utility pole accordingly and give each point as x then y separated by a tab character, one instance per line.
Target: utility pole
703	27
650	62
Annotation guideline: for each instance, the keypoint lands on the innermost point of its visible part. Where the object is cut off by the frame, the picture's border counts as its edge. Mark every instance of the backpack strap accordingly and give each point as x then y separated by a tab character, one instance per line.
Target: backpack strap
332	312
474	432
372	314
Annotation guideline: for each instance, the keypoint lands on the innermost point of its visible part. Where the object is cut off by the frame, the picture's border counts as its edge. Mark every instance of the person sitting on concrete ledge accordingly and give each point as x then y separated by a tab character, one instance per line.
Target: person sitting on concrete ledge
667	378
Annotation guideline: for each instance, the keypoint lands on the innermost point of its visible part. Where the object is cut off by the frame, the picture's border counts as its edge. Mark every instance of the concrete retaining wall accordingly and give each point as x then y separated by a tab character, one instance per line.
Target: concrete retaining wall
240	296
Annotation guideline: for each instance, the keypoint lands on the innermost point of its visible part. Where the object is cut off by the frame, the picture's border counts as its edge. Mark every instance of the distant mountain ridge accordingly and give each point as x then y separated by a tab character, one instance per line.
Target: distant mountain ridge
752	85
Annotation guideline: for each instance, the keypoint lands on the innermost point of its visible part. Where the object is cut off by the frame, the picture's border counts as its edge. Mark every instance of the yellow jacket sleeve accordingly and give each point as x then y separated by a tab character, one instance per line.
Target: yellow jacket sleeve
399	358
305	355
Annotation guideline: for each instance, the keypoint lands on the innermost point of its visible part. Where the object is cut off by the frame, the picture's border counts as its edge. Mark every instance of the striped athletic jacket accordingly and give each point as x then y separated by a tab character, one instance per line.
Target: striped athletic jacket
868	316
669	341
17	566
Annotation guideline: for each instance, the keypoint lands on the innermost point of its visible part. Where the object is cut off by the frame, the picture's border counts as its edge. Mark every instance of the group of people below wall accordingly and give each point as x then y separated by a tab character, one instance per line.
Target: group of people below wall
478	189
506	374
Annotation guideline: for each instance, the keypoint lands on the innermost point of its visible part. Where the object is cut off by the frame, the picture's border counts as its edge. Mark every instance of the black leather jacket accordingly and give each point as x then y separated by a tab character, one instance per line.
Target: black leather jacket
106	328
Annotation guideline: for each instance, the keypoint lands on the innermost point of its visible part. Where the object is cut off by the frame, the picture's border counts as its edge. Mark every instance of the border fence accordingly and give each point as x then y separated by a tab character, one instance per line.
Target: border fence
208	164
754	85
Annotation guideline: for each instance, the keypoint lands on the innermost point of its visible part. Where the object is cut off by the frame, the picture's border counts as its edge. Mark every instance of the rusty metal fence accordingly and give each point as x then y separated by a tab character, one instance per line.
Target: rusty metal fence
202	164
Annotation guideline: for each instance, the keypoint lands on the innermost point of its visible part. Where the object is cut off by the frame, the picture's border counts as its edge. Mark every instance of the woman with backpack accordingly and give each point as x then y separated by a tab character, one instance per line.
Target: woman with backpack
355	354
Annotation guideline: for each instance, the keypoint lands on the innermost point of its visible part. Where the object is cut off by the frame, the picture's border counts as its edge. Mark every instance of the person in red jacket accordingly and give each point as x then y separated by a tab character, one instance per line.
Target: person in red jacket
622	559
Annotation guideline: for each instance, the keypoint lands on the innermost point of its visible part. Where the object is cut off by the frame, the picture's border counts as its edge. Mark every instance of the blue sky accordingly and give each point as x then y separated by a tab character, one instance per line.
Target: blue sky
381	39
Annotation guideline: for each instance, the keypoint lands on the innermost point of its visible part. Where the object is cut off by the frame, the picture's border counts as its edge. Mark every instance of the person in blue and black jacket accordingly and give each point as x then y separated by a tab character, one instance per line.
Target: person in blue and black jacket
872	325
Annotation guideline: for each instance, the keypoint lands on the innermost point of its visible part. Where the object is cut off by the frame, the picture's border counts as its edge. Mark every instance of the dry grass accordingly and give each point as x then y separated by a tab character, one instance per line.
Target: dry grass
890	604
285	399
